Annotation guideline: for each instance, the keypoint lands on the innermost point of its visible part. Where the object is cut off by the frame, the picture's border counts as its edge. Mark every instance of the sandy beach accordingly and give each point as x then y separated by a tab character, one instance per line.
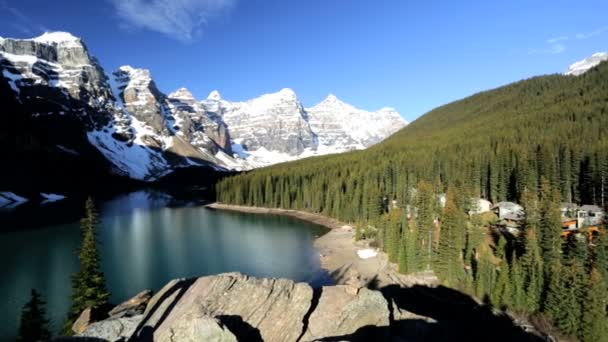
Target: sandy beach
338	251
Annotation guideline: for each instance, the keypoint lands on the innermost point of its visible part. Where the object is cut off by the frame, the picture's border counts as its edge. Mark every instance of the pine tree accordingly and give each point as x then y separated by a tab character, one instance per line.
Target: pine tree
448	260
34	324
532	266
594	323
519	298
485	275
88	284
564	298
425	214
501	292
550	225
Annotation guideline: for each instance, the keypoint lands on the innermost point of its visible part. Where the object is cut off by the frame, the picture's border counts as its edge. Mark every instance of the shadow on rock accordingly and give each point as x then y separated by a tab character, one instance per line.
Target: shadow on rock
241	329
444	314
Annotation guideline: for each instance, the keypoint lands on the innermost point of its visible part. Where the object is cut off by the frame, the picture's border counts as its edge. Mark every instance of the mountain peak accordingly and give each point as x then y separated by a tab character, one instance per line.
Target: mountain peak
214	95
182	93
287	92
57	37
582	66
331	97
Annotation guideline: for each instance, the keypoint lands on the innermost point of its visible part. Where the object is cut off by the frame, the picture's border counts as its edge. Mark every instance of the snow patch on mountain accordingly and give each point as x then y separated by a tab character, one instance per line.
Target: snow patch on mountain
584	65
58	37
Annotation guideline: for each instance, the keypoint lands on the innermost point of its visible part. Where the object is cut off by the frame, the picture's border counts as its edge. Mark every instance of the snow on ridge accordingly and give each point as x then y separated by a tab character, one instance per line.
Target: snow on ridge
580	67
214	95
56	37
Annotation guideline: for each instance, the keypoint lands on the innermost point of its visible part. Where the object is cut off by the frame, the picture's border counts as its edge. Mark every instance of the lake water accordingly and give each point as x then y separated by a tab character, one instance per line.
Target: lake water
146	239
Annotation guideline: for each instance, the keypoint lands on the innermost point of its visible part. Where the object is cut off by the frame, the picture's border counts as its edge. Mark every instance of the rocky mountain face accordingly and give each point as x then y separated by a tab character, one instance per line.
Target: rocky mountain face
276	127
341	126
584	65
133	128
276	122
121	124
235	307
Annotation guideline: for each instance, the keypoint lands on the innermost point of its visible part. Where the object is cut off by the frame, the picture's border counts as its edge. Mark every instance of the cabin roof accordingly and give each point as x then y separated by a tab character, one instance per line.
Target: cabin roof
508	205
591	208
567	206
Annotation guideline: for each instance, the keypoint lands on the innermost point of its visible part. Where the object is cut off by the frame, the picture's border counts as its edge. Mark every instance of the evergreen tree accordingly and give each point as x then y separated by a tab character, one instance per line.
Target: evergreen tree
485	275
501	292
532	267
425	213
519	296
88	284
594	323
550	225
448	259
34	324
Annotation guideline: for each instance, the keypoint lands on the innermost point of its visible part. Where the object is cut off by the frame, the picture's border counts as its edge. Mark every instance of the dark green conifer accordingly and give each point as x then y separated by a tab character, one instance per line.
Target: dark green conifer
34	324
88	284
594	323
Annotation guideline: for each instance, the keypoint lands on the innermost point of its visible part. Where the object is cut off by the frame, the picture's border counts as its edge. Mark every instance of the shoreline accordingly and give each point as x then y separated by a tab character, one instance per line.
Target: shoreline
338	251
319	219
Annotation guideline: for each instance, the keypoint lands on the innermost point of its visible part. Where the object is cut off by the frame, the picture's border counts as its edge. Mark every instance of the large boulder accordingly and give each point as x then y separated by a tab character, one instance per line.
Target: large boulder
132	307
197	328
113	329
341	313
252	308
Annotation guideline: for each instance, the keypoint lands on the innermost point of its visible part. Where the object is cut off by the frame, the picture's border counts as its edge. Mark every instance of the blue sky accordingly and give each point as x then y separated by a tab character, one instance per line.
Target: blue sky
412	56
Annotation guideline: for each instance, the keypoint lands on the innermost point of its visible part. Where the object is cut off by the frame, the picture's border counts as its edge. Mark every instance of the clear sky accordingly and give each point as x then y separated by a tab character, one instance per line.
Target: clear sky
410	55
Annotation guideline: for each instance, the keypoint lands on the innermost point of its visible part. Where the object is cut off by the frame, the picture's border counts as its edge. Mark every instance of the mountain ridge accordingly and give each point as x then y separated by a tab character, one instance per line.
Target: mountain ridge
141	132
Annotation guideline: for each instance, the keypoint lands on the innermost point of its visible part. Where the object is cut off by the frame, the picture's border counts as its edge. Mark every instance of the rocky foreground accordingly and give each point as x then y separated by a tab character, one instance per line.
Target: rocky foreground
236	307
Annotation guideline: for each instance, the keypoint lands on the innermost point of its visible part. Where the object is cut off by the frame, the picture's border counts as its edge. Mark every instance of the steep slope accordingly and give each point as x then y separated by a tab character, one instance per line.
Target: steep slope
123	126
494	144
276	122
345	127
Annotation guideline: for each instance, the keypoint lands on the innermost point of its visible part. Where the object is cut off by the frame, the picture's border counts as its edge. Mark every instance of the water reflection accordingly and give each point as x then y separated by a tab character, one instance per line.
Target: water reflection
146	239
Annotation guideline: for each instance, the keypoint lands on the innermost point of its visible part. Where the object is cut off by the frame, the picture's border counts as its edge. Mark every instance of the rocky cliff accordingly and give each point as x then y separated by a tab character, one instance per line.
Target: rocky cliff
232	306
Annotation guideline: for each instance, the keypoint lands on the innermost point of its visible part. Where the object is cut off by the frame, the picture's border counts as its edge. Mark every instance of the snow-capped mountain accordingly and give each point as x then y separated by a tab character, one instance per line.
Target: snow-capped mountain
275	127
61	98
126	118
339	125
276	122
582	66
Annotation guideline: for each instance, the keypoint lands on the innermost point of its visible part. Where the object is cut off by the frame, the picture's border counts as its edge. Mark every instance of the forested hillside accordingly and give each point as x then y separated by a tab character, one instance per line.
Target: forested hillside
495	143
537	142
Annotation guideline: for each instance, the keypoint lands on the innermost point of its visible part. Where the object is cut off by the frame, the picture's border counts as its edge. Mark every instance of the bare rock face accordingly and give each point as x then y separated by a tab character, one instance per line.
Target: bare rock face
141	97
340	312
202	129
197	328
252	308
54	74
132	307
275	122
113	329
83	321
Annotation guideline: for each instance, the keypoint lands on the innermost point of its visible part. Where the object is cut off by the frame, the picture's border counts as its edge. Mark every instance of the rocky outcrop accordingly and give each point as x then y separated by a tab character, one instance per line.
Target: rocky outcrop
132	307
202	129
232	306
342	312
